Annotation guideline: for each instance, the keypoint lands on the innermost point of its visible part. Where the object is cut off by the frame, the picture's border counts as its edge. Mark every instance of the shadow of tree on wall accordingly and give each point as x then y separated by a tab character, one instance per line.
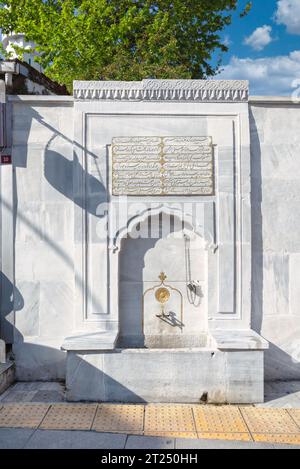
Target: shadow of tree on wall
59	172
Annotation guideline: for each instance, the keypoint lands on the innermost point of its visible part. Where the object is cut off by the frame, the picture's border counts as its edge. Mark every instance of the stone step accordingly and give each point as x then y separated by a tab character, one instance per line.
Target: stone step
2	352
7	375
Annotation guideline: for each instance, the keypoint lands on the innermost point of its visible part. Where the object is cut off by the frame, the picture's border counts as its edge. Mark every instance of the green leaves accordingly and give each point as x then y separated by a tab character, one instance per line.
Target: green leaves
246	10
121	39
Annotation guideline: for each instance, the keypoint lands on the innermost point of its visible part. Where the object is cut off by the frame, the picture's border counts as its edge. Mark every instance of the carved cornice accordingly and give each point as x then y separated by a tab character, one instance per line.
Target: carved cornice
163	90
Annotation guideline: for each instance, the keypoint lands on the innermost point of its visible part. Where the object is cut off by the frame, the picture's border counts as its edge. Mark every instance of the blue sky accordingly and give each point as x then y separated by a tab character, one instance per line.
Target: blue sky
264	47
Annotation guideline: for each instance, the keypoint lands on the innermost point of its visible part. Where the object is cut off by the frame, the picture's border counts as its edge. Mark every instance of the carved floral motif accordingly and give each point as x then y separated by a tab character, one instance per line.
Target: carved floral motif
164	90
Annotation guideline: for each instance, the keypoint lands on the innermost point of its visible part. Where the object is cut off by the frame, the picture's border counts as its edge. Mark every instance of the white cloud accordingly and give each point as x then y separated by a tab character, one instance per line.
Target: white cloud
260	38
268	75
288	13
227	41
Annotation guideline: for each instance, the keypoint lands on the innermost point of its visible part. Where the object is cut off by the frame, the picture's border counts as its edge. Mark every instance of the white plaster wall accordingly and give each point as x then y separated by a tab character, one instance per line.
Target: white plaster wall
275	154
44	236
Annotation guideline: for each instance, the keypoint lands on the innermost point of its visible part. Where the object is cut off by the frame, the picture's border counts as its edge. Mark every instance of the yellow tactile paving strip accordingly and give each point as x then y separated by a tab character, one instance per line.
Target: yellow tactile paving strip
276	421
225	419
220	423
271	425
69	417
164	420
295	414
225	436
277	438
119	418
169	434
175	421
23	415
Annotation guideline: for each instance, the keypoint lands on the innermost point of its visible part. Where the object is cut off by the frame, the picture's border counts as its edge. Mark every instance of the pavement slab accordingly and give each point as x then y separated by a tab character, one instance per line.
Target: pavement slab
119	418
69	417
162	419
269	421
149	442
23	415
53	439
14	438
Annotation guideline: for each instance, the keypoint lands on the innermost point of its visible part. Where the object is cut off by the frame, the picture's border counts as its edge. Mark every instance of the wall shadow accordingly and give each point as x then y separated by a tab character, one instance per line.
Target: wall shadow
59	172
85	381
130	318
11	300
256	228
93	382
36	362
277	360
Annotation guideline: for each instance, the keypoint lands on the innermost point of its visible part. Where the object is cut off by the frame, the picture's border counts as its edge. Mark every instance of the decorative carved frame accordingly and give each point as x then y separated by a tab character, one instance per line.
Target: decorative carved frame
235	112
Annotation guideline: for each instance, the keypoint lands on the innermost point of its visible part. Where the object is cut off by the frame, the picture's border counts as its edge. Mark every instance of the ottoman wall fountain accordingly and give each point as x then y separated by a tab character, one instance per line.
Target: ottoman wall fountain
163	244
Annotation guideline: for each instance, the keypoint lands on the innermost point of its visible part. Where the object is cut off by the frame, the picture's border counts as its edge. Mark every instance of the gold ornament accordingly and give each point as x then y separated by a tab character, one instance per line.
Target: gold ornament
162	277
162	295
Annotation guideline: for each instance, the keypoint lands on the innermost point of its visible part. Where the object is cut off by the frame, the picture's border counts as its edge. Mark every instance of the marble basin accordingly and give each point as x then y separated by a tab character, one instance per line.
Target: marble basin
227	368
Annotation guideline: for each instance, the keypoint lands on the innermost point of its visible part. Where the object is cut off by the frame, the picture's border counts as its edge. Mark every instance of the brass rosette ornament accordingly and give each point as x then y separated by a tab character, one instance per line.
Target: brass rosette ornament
162	294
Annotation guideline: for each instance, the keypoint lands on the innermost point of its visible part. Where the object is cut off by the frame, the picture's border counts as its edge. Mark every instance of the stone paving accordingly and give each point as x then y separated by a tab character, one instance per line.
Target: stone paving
41	407
24	438
34	392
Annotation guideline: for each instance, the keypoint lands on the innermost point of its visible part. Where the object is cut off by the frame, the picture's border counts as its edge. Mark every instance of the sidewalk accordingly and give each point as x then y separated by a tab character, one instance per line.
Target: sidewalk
12	438
172	421
36	415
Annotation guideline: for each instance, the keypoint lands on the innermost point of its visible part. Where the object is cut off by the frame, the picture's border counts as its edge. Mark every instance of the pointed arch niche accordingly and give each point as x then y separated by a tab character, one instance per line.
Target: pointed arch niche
155	241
